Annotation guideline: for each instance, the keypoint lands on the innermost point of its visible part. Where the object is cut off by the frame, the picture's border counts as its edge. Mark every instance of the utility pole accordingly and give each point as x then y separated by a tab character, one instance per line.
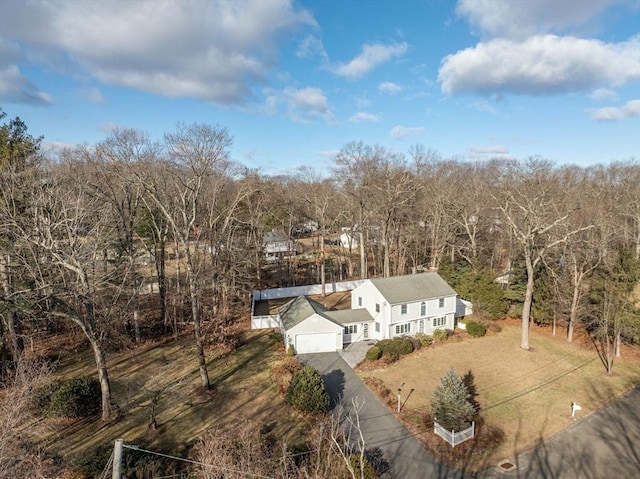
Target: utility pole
117	459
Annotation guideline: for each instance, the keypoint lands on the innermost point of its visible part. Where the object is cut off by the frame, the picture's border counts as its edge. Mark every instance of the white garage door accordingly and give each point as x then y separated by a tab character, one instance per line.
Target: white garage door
315	343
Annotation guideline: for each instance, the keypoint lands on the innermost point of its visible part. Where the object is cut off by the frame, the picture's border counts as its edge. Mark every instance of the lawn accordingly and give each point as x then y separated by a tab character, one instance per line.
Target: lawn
242	389
527	394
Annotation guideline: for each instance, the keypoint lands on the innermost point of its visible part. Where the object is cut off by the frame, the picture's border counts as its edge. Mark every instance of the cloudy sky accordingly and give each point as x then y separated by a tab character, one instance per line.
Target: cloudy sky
293	81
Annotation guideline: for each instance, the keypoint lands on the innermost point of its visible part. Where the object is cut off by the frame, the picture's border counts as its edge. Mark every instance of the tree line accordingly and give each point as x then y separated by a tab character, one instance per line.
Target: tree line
85	230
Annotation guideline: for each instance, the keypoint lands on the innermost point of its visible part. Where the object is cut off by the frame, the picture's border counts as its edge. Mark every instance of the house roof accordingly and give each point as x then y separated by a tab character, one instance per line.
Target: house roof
302	307
413	287
347	316
274	237
299	309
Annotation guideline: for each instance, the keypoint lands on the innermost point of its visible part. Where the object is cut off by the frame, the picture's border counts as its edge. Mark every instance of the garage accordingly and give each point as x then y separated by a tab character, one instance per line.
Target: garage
307	327
315	342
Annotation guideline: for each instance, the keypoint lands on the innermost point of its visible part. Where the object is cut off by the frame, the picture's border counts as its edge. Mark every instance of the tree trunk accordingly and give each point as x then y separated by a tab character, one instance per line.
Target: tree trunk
526	307
363	257
322	271
195	313
160	260
11	315
386	268
103	375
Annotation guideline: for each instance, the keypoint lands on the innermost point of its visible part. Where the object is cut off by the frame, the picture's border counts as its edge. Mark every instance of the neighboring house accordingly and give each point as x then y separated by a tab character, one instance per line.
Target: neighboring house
348	241
277	246
380	308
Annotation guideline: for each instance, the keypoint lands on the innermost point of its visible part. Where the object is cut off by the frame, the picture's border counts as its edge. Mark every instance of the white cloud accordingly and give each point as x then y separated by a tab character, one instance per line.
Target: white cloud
482	153
389	87
16	88
400	132
520	19
311	47
631	109
540	65
362	116
215	50
107	127
307	104
370	58
603	94
94	95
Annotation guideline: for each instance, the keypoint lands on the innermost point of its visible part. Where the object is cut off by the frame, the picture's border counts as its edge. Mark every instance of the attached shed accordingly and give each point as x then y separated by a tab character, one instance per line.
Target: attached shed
307	327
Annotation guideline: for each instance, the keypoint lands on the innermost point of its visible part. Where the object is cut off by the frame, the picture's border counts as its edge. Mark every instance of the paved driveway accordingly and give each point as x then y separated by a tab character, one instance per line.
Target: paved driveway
380	428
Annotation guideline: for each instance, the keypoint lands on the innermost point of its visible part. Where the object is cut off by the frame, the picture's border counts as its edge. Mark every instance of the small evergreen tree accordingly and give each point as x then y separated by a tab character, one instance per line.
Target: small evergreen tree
451	404
308	393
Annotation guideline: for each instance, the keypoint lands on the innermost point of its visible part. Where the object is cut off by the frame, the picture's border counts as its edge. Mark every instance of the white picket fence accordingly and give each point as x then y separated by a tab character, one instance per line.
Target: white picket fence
455	438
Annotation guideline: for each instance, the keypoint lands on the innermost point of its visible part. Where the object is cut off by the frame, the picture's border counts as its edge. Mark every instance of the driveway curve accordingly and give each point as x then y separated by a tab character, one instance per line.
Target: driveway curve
380	428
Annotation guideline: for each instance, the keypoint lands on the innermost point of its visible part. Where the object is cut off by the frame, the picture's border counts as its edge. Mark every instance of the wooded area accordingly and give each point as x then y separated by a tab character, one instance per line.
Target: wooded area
135	238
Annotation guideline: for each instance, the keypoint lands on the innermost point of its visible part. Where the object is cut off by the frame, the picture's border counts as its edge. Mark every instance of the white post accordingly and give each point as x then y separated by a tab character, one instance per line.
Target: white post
117	459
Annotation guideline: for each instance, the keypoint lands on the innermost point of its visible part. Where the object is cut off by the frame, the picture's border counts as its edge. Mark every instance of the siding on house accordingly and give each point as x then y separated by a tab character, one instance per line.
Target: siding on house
396	304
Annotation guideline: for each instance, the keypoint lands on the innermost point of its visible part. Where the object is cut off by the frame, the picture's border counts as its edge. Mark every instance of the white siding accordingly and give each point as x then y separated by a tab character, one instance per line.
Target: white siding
316	324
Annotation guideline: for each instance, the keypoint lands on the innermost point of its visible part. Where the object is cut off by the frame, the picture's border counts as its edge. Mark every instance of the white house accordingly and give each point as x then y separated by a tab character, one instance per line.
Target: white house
406	305
277	246
310	327
348	241
380	308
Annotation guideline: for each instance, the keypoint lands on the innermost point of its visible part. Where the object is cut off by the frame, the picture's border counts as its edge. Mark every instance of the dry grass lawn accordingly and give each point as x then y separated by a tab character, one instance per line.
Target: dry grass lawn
526	393
243	389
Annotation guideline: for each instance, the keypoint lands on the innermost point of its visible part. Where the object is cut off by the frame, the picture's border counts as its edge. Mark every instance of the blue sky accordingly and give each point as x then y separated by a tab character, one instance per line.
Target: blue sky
293	81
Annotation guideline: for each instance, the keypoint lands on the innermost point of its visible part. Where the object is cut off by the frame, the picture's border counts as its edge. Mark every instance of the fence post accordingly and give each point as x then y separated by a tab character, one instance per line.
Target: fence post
117	459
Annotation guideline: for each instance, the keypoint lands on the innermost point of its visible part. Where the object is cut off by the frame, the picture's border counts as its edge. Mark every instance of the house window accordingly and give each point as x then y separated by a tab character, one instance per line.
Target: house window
421	326
351	329
377	327
403	328
360	301
423	309
377	307
441	303
403	309
439	322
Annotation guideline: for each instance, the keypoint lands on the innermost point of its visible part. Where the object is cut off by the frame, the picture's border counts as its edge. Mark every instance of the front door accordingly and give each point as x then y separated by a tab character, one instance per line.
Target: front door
365	331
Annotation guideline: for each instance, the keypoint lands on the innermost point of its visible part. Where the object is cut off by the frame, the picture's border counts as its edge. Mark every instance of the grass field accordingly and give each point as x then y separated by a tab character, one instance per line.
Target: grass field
527	394
243	389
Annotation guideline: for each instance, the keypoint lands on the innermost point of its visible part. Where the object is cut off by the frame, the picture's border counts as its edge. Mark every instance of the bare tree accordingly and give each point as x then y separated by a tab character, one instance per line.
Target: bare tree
19	432
195	154
530	197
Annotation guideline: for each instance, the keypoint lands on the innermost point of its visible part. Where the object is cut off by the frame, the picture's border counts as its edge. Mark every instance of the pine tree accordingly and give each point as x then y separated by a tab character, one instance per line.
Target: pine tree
451	402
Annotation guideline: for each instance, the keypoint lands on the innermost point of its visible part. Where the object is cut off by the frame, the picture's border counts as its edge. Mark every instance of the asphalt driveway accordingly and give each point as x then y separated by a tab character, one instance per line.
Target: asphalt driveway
380	428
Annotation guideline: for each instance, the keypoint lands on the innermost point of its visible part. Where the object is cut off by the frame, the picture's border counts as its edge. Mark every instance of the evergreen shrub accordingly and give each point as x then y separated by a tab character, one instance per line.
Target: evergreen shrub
308	393
476	329
374	353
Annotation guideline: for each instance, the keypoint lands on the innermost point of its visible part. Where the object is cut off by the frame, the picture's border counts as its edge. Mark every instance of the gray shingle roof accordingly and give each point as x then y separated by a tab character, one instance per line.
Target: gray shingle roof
349	316
413	287
299	309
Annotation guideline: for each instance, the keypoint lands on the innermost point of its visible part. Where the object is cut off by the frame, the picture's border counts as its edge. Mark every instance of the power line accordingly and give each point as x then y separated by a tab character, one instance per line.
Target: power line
198	463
